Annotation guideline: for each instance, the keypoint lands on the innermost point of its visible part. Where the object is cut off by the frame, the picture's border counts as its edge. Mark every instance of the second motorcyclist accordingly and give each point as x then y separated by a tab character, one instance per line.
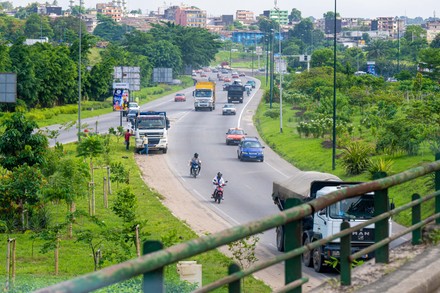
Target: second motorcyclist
217	180
195	160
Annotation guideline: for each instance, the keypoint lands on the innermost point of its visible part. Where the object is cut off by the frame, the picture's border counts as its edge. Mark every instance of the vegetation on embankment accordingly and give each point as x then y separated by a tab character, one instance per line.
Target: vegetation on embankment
383	131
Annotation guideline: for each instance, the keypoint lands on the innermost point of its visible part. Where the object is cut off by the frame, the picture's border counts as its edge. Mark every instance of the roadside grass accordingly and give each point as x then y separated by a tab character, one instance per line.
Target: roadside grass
239	59
69	113
36	269
309	154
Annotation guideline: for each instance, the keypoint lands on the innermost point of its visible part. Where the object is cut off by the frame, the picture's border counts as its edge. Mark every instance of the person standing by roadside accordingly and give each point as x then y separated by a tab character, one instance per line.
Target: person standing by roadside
127	139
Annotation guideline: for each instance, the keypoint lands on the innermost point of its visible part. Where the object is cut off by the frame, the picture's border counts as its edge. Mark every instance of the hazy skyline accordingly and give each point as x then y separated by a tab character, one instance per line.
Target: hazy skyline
315	8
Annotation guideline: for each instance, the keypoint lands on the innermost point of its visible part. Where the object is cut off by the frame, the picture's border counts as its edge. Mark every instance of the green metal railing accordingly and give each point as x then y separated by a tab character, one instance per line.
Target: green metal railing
151	265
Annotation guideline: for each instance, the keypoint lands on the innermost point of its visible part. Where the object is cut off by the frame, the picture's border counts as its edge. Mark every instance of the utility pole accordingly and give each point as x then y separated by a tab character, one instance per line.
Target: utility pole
271	66
79	72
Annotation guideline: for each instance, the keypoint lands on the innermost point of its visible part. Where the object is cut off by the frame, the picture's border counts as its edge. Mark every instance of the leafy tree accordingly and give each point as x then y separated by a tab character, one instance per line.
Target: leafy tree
322	57
21	193
198	46
430	60
377	49
267	25
11	28
165	54
5	60
110	30
68	183
38	26
22	65
436	42
20	144
295	15
355	57
303	31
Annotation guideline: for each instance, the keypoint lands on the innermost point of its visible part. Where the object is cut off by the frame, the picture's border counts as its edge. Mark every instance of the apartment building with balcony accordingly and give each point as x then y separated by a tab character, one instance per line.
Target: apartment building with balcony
245	16
110	9
432	30
190	16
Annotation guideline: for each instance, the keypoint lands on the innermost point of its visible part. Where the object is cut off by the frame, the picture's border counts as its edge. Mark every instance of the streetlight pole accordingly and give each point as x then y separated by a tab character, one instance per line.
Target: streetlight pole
281	71
271	66
79	72
334	98
267	61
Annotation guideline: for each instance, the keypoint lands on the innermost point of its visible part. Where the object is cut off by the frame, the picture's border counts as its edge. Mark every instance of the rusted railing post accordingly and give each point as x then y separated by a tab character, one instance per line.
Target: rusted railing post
381	205
437	187
416	218
345	256
234	287
153	281
292	240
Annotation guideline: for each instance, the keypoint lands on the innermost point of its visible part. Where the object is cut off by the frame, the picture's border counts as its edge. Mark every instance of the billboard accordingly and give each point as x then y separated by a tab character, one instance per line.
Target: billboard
128	75
8	87
120	99
164	75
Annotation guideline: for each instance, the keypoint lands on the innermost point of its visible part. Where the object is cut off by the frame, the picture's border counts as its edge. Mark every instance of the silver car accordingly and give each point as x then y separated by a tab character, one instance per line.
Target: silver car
229	109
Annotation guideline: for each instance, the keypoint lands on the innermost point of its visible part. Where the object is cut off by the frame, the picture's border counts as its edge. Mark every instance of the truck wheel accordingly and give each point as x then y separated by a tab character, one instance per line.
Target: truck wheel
165	150
306	257
318	263
210	109
280	238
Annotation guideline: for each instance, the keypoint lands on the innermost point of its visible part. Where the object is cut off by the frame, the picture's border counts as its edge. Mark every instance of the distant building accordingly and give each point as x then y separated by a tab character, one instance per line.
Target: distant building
31	42
280	16
330	26
394	27
170	13
432	30
191	16
227	19
113	11
245	16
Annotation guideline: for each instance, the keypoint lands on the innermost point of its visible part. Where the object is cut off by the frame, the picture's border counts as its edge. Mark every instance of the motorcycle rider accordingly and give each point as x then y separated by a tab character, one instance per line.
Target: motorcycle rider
195	160
217	180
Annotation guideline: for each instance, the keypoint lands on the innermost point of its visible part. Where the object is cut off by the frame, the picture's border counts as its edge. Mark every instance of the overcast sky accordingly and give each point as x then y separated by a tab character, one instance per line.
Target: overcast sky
316	8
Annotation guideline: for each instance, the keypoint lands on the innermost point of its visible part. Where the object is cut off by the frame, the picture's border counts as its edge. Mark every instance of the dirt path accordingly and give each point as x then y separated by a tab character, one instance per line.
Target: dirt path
187	208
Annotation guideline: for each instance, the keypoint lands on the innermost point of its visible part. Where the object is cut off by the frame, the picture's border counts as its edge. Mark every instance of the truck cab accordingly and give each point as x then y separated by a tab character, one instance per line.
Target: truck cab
155	126
308	186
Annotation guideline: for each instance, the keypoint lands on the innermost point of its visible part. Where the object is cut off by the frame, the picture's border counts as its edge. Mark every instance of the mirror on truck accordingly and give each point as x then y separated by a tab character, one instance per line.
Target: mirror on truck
194	93
321	212
168	123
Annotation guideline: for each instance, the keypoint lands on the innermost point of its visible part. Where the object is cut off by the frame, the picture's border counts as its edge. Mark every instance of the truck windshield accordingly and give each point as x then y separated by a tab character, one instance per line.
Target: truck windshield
203	93
151	123
360	207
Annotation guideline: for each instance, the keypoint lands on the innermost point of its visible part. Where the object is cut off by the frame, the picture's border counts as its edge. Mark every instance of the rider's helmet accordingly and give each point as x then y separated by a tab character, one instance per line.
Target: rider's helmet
219	175
196	155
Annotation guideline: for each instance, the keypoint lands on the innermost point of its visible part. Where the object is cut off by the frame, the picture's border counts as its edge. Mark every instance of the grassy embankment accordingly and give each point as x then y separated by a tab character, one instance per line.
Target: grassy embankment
310	154
35	269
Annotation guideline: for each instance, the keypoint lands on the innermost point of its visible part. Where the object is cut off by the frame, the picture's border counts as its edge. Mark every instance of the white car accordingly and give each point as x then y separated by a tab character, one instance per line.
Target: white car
133	106
229	109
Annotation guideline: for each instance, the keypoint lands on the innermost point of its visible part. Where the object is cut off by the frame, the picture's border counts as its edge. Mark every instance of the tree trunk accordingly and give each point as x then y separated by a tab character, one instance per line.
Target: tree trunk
72	209
56	255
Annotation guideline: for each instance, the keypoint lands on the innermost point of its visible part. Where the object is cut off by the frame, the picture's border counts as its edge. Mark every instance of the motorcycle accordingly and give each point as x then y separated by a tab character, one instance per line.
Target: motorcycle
195	169
218	193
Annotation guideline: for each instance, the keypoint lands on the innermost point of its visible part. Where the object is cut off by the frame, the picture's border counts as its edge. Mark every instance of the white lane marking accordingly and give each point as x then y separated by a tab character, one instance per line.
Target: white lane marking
225	215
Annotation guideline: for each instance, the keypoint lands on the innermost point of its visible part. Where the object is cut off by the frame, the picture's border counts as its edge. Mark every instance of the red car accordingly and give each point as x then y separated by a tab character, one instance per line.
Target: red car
227	79
179	97
234	135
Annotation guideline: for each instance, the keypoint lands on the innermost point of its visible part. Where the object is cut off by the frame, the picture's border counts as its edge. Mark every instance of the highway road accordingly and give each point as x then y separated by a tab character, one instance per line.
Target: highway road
248	192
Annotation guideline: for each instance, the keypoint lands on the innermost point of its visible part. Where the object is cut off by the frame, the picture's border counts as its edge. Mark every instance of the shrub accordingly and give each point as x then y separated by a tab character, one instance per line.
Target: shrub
380	165
272	113
355	158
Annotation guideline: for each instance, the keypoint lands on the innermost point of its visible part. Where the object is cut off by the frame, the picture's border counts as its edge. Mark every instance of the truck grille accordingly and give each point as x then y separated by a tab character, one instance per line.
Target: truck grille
363	235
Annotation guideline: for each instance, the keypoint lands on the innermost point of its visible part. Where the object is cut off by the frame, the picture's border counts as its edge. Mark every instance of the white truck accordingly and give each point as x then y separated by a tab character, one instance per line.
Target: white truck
155	126
307	186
